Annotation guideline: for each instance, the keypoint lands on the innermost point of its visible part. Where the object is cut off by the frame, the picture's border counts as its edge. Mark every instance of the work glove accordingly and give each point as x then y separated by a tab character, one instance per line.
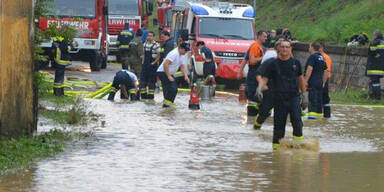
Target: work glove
304	100
259	94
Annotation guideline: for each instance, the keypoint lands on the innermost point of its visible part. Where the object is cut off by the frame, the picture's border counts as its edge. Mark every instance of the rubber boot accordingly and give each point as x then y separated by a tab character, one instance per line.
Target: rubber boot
251	111
133	97
256	124
327	111
111	96
56	91
151	96
143	95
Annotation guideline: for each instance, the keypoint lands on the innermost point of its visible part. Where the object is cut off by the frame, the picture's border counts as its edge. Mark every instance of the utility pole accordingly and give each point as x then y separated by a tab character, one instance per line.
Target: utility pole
17	109
254	6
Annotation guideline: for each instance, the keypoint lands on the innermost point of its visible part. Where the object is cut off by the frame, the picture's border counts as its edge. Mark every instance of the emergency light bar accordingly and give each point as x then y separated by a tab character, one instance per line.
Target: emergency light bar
249	13
199	10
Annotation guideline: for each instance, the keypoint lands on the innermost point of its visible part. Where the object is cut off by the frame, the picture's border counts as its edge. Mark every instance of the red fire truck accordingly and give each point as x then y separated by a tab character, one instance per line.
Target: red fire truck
134	12
228	29
89	18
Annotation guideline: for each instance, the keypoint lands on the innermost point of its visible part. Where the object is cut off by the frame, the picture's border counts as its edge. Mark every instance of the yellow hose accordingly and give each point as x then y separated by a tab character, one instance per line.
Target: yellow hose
99	91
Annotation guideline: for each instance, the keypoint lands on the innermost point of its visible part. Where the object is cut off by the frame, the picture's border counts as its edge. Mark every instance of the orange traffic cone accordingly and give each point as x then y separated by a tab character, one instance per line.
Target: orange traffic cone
194	101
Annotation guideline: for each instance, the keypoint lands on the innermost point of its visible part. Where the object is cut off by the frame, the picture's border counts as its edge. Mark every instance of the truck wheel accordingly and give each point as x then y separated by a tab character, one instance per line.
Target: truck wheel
104	62
95	62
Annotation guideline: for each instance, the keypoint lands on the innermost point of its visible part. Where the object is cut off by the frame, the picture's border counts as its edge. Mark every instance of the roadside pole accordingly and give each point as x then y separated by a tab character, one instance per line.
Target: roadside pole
17	96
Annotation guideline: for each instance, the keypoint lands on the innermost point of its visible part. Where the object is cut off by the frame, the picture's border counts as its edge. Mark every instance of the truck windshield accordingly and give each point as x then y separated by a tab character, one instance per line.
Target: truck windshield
72	8
226	28
123	7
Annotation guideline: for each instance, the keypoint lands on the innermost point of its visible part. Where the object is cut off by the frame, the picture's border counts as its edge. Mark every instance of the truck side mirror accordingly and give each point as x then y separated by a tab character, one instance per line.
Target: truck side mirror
105	10
155	22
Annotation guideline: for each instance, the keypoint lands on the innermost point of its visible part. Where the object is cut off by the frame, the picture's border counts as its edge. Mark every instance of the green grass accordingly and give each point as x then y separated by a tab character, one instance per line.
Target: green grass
22	151
353	96
332	21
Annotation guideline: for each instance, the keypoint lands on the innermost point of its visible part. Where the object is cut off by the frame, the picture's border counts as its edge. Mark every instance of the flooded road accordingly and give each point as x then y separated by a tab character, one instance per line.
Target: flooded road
144	147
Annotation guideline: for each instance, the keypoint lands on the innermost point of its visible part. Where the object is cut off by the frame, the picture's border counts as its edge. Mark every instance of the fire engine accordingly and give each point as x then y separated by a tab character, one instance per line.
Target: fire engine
89	18
134	12
228	29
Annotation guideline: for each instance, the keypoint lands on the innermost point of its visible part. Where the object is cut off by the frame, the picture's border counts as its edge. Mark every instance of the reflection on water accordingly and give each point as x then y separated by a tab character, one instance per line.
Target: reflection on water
144	147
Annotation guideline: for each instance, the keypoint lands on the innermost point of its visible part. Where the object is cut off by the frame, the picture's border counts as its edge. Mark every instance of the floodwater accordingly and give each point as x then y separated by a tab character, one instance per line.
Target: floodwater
143	147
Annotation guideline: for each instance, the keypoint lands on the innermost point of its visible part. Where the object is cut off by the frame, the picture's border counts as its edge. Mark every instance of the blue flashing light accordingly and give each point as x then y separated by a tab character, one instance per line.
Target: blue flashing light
249	13
199	10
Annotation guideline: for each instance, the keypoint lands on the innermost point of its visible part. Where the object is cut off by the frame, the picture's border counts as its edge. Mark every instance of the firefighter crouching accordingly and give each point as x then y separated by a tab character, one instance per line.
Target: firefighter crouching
127	82
148	73
123	40
61	48
375	65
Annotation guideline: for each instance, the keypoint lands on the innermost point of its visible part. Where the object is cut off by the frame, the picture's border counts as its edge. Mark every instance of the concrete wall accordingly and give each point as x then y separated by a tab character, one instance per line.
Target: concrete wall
348	65
17	98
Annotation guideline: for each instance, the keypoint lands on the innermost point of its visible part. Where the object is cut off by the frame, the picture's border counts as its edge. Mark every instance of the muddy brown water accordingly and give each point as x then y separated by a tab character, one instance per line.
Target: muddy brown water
144	147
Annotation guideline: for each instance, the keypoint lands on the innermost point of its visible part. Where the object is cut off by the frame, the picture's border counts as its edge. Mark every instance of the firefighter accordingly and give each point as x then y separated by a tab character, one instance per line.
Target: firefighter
255	56
150	59
209	67
375	64
266	104
167	46
286	75
136	53
315	75
127	82
326	98
123	40
175	59
62	58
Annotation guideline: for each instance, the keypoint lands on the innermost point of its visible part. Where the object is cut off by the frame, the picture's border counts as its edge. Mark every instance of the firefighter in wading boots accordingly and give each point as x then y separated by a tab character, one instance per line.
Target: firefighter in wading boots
150	59
128	83
315	77
326	98
255	56
61	48
286	75
375	65
123	40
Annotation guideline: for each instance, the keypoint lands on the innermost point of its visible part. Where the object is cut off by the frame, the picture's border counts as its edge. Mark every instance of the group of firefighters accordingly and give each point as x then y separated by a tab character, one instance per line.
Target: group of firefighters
275	78
149	60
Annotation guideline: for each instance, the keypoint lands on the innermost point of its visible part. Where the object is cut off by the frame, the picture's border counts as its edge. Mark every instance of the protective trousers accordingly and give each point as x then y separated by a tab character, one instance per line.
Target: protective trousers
252	107
315	107
148	77
58	84
375	87
326	101
209	69
169	89
265	108
124	56
283	107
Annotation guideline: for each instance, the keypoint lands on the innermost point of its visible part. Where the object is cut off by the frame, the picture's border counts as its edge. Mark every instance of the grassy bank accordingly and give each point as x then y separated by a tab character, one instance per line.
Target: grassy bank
20	152
353	97
332	21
